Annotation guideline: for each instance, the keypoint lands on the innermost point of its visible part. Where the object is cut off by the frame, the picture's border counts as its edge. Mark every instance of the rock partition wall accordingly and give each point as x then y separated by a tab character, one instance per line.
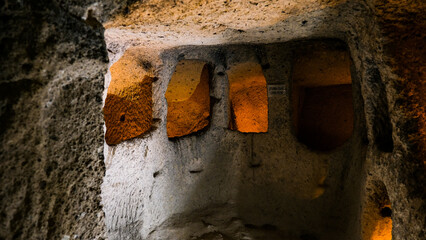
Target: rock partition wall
52	68
403	24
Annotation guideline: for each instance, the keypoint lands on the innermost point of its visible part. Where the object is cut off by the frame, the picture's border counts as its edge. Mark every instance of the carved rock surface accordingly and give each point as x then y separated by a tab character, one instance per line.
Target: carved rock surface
248	98
128	105
188	99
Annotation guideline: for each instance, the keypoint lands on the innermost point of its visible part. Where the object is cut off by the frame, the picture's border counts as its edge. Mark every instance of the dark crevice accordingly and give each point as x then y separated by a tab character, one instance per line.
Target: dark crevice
378	110
386	212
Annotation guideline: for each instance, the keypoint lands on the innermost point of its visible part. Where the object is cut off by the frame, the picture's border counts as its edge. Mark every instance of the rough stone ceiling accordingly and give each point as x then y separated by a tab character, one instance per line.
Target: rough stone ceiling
188	22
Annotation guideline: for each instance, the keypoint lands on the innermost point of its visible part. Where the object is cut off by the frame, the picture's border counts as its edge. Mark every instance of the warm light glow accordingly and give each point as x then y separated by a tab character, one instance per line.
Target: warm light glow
185	80
128	105
188	99
377	213
248	97
383	229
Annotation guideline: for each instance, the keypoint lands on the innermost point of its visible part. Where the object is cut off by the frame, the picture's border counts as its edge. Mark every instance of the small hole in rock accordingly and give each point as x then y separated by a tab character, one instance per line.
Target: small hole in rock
126	11
255	165
266	66
122	118
386	212
308	237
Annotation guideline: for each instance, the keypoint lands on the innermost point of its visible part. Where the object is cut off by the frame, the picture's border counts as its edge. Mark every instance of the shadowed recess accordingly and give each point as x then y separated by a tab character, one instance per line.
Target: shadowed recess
322	96
248	98
378	104
128	105
188	98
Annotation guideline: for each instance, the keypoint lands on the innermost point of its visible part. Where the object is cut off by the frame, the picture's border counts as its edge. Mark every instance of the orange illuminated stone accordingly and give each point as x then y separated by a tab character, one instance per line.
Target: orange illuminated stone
128	105
248	98
375	225
376	218
188	98
383	229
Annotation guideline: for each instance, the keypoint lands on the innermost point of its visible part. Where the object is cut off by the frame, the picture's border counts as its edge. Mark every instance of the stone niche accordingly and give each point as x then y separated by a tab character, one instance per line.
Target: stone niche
188	98
128	105
322	96
248	98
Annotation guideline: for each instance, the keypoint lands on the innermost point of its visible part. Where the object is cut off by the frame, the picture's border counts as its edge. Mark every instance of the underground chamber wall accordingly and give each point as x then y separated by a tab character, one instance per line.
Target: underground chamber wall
264	185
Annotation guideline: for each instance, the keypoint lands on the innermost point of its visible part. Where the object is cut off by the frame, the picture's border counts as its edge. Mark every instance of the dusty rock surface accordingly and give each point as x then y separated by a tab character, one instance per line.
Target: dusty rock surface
52	68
